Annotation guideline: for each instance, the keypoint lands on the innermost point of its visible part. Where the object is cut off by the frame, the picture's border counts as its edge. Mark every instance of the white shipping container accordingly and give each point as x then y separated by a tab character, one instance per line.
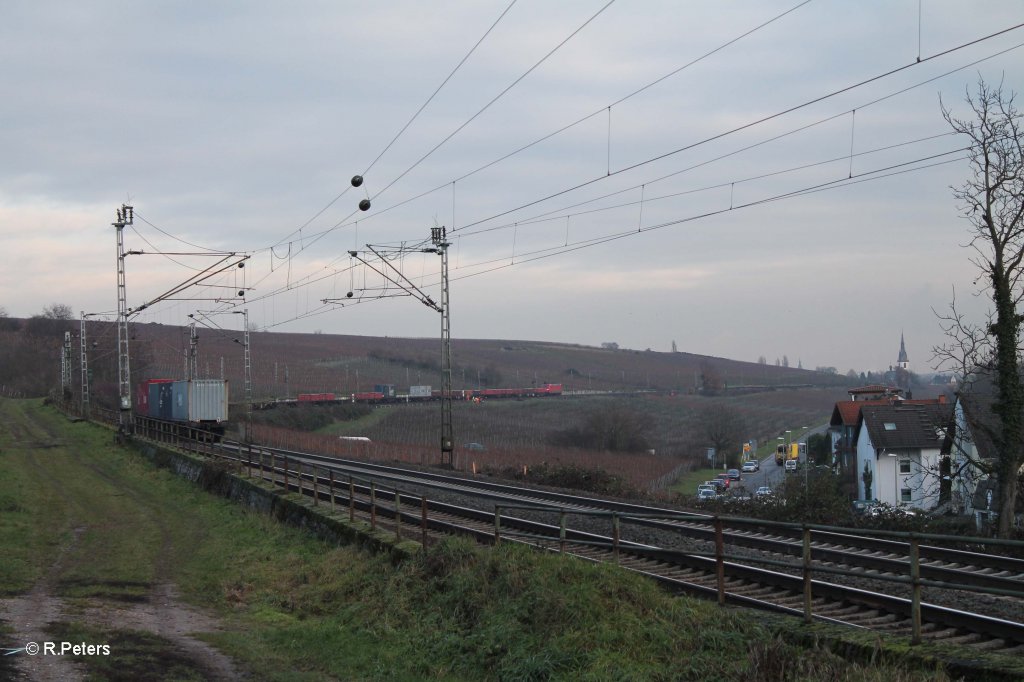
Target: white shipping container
419	391
208	400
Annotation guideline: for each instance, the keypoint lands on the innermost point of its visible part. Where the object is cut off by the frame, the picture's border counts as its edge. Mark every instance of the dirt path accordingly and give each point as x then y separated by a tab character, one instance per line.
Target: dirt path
161	612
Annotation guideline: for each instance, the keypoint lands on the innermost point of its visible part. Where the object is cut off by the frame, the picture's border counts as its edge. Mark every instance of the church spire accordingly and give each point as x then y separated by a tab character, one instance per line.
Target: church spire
902	362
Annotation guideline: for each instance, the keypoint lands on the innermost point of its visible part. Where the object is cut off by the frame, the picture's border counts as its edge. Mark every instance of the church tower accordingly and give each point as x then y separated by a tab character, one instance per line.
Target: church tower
902	362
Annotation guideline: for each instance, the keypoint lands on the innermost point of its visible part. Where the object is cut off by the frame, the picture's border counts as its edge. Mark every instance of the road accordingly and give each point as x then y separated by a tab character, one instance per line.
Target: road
771	474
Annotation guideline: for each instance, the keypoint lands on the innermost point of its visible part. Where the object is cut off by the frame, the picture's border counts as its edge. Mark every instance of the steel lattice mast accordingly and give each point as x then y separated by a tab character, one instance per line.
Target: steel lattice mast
248	367
437	236
125	216
85	368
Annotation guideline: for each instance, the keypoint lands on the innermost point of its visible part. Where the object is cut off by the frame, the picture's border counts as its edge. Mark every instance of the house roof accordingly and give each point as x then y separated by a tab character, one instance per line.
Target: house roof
903	426
847	412
875	388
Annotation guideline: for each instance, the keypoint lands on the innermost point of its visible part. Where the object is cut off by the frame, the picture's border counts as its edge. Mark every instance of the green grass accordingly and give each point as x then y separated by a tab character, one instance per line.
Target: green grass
296	608
687	484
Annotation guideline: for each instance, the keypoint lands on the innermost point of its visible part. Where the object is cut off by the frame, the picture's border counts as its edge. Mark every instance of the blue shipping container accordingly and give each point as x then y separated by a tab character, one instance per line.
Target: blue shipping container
160	400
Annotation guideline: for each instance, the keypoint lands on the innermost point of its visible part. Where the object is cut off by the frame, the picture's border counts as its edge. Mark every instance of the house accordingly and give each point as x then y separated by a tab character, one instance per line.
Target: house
974	454
844	428
900	449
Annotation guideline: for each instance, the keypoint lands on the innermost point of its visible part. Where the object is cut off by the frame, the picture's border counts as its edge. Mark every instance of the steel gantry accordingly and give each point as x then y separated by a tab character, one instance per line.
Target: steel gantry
439	245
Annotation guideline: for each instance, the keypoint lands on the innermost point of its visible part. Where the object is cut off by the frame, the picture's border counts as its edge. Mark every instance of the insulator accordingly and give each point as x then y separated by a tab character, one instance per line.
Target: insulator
348	295
241	292
364	205
357	180
241	265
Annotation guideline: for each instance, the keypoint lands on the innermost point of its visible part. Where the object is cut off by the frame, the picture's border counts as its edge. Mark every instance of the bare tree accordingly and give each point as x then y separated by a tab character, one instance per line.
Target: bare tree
992	201
58	311
724	430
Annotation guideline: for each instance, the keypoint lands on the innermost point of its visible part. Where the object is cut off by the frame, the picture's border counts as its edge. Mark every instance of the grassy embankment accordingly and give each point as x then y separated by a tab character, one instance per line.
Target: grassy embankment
295	608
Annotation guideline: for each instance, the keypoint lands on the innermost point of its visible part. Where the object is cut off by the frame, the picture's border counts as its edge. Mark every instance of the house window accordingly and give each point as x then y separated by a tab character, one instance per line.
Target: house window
889	426
905	495
904	466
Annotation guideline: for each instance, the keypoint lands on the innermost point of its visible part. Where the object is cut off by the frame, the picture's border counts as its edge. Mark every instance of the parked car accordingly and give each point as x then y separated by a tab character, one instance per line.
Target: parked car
475	446
763	491
707	494
733	474
751	465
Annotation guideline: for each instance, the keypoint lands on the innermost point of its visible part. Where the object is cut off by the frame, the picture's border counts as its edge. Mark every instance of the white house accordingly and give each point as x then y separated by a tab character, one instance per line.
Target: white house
901	447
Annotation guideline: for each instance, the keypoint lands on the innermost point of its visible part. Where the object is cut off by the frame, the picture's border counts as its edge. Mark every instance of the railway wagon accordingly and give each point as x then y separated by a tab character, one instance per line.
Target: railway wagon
147	396
387	391
420	392
316	397
200	401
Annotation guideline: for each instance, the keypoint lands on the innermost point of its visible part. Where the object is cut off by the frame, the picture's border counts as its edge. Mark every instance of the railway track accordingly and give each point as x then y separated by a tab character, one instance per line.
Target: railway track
877	556
732	581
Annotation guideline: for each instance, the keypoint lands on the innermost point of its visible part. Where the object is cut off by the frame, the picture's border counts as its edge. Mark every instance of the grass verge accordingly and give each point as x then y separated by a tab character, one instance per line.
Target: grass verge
107	526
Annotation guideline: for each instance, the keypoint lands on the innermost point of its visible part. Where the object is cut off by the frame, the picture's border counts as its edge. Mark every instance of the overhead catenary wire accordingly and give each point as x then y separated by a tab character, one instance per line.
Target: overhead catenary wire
591	115
850	175
745	126
768	140
404	128
494	99
524	258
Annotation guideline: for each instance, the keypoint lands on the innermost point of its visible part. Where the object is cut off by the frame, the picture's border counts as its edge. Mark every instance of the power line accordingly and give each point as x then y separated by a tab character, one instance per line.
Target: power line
541	254
593	114
495	99
404	128
745	126
336	272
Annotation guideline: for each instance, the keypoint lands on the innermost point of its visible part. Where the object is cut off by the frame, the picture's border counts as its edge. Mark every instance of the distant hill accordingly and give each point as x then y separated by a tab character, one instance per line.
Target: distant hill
284	364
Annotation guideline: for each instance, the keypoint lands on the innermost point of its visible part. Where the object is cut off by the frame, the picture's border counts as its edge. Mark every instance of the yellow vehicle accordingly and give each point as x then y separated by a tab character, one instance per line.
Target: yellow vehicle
781	454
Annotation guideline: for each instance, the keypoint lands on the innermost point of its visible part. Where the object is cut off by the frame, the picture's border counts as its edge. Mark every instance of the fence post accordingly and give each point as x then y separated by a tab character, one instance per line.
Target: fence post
720	560
915	578
286	474
497	525
615	537
423	519
298	475
561	531
333	507
316	493
261	466
807	574
248	469
398	515
373	505
351	500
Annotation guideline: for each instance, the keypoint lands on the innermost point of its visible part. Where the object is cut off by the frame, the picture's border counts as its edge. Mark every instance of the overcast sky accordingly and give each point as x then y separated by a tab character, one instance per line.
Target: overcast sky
231	126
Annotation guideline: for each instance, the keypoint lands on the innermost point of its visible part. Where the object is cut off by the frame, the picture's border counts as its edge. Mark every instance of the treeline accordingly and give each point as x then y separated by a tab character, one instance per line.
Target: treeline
31	349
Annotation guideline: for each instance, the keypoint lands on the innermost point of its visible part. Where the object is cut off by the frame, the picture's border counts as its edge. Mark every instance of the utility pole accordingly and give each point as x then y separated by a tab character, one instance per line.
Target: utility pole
125	216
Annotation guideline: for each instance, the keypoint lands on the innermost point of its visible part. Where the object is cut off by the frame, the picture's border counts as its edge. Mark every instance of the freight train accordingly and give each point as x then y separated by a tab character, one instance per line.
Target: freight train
194	403
386	393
